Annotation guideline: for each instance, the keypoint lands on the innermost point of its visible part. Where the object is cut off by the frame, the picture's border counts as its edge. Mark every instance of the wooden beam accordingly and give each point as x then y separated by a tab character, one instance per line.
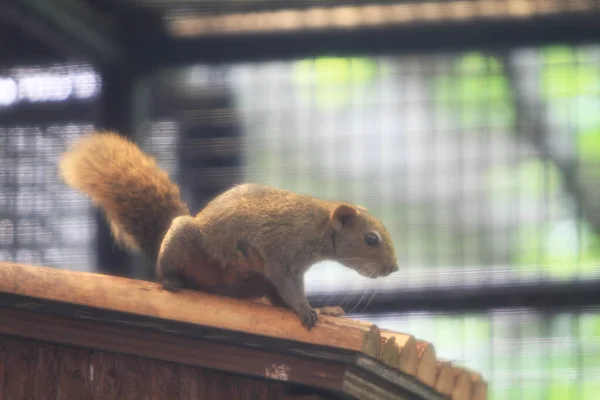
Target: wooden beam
139	318
171	348
342	377
36	370
193	307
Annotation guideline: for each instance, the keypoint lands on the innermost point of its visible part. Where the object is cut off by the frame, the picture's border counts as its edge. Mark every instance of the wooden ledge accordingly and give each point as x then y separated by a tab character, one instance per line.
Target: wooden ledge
192	307
194	328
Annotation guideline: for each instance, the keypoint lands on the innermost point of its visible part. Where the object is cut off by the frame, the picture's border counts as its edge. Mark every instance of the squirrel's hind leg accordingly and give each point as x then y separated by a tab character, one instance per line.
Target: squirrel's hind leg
172	283
178	250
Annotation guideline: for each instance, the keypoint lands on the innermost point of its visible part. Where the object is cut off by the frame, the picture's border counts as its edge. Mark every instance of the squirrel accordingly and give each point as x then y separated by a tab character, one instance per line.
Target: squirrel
250	241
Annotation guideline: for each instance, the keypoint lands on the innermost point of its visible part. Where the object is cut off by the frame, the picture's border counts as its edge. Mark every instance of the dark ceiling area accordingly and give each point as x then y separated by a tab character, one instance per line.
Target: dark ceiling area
142	35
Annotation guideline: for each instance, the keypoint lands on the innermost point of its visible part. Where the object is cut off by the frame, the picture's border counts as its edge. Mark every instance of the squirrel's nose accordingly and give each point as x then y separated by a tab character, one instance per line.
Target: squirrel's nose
393	268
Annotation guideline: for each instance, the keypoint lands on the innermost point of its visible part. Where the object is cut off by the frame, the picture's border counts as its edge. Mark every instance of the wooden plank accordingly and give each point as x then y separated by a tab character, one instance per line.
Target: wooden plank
45	384
171	348
109	372
264	390
164	380
188	382
193	313
104	376
230	387
74	374
135	379
21	360
148	299
3	365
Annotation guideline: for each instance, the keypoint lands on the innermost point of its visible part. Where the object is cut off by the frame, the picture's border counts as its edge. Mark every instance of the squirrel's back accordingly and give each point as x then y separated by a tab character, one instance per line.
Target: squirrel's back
137	197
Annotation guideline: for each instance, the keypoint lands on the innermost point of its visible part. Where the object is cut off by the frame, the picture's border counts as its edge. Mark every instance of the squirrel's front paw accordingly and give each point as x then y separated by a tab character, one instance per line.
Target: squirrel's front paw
309	318
172	283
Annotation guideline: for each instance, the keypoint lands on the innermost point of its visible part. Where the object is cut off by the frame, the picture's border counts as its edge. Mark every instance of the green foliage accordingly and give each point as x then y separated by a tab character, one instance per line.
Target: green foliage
564	76
589	326
529	178
588	144
337	81
559	249
479	93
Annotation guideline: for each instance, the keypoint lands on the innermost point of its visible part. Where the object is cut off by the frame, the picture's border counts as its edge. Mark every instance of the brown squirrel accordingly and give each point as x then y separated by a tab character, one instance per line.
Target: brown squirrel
250	241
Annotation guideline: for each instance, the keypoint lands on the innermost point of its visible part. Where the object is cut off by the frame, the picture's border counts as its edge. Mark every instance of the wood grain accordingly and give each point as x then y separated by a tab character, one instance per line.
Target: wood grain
479	386
3	367
463	385
74	374
372	342
479	390
164	380
128	375
445	377
408	359
148	299
104	375
21	360
135	378
188	382
427	368
169	348
390	354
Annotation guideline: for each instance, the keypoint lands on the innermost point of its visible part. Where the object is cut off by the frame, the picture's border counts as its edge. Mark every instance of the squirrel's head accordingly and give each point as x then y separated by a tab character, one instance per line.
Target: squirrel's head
361	242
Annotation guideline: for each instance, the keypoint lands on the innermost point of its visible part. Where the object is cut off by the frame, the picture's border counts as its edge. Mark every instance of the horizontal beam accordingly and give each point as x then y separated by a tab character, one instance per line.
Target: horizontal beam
545	296
165	347
148	299
339	377
377	40
344	17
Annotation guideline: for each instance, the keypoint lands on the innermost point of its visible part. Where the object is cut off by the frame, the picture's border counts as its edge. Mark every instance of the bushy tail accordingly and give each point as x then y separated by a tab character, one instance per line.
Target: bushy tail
137	197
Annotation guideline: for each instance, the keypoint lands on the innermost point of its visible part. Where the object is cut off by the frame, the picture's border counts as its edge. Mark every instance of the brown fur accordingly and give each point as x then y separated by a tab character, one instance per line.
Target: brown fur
137	197
250	241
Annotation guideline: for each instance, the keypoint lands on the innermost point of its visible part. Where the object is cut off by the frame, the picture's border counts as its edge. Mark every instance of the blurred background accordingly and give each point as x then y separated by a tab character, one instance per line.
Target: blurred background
471	128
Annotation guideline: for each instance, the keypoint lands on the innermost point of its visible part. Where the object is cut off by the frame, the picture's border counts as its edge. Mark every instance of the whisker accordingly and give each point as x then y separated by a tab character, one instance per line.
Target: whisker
359	301
370	299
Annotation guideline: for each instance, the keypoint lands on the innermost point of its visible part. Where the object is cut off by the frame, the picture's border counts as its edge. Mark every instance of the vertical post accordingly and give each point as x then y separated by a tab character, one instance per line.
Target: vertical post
117	113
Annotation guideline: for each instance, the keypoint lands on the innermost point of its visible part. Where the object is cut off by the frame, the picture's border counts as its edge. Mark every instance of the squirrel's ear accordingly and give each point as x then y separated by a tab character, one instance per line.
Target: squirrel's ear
341	215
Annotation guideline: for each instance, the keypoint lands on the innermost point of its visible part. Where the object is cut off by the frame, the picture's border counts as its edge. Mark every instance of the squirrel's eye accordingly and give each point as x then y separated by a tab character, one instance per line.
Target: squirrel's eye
371	239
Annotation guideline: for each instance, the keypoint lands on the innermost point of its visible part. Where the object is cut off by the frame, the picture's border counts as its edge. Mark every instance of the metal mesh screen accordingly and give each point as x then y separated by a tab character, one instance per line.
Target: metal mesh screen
483	166
42	109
